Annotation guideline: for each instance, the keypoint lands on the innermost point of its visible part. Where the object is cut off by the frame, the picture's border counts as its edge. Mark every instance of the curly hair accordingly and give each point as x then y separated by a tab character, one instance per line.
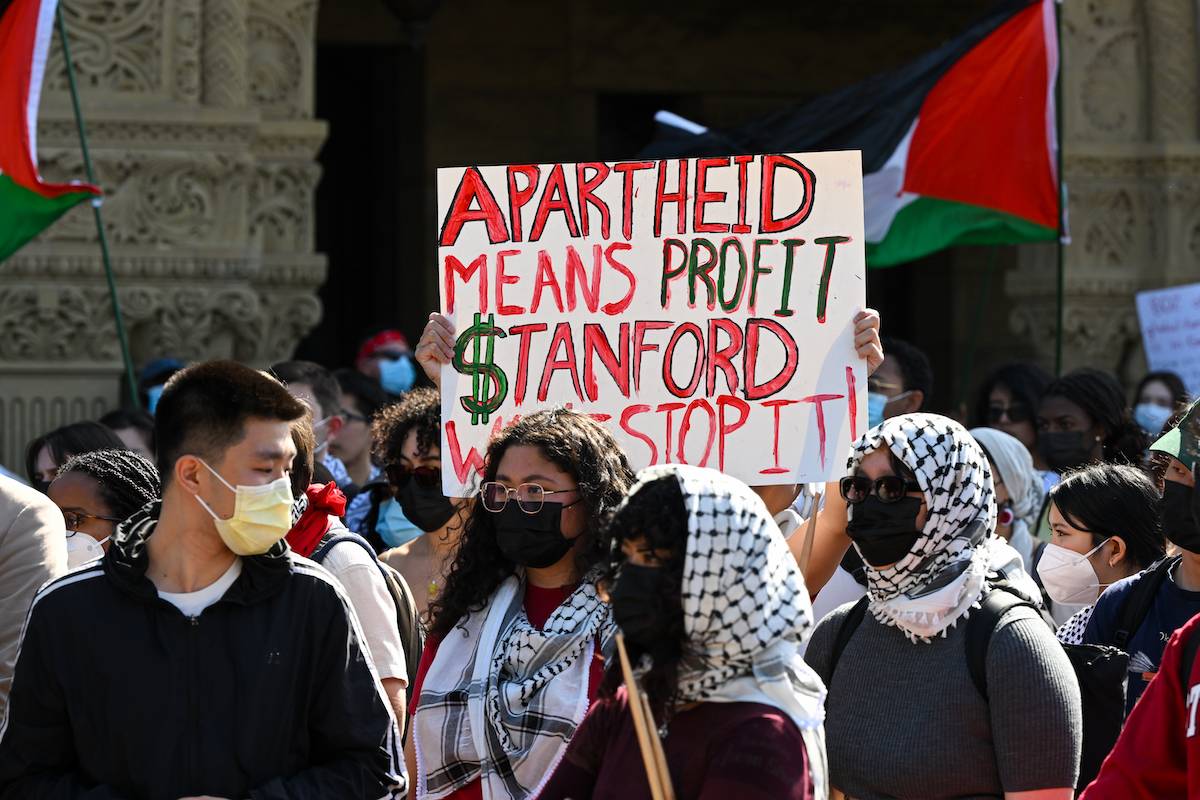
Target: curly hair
1101	397
417	410
576	444
127	480
656	514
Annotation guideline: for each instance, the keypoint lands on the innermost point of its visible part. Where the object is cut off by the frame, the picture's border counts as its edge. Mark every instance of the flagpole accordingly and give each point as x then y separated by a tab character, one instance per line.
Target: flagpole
87	166
1060	294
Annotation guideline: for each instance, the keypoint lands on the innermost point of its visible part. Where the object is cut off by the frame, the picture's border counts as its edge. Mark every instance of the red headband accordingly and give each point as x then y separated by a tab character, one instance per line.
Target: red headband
380	340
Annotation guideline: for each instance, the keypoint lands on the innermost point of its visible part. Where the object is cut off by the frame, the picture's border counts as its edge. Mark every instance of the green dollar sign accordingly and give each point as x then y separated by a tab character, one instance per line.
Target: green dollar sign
482	402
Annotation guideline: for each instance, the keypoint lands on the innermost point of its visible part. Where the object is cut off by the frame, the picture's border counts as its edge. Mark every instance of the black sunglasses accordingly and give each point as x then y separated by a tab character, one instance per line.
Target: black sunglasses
1014	413
399	475
889	488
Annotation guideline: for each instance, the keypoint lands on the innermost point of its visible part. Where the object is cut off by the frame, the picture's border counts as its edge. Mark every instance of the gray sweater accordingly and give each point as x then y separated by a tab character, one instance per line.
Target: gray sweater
904	719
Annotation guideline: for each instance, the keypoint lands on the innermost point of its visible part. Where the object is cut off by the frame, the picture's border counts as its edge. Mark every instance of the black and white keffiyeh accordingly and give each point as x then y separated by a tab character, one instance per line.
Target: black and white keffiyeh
745	606
945	574
502	699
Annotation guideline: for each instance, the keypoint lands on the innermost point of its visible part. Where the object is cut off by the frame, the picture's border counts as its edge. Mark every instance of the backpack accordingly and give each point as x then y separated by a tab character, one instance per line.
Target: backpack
1140	599
412	633
1100	670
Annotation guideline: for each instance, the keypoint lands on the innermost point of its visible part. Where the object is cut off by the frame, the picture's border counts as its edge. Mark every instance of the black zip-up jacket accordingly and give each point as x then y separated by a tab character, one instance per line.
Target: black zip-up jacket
266	694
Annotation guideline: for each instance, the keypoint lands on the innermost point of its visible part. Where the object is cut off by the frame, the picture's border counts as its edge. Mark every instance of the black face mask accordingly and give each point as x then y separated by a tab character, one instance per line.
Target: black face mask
1064	450
532	540
638	609
1178	518
884	532
425	506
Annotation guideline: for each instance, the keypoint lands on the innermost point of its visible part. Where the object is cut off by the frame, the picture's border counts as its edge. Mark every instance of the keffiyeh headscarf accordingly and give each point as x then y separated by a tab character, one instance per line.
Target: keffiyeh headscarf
745	607
1022	481
945	573
502	698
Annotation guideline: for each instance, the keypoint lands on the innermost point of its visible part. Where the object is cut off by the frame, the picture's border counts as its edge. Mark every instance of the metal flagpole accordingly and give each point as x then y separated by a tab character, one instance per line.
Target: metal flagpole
1060	299
87	165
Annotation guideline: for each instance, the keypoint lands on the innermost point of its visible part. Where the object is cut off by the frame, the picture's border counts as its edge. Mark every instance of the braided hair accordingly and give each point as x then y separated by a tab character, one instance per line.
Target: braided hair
127	480
576	444
1103	400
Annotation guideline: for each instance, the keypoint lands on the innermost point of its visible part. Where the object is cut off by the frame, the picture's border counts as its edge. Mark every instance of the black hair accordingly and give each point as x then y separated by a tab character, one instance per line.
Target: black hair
367	393
417	410
1101	397
69	440
303	464
122	418
1174	384
657	514
576	444
1025	381
1114	500
915	369
204	408
324	386
128	481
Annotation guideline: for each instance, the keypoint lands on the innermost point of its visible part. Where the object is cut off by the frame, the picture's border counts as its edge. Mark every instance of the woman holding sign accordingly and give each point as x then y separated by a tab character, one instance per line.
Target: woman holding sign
910	663
519	636
713	610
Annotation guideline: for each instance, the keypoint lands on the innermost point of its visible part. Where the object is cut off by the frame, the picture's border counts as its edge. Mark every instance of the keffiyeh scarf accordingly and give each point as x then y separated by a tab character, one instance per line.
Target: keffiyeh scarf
746	609
945	574
502	698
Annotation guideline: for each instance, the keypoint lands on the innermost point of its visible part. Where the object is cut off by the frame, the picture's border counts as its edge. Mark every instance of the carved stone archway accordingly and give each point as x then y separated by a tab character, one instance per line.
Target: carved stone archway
200	120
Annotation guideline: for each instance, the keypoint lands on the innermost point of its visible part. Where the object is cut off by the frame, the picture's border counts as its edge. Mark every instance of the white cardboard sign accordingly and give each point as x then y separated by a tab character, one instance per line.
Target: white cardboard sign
1170	321
701	308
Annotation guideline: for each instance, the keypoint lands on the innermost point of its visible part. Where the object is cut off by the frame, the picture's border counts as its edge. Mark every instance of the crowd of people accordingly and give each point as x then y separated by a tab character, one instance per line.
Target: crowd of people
253	586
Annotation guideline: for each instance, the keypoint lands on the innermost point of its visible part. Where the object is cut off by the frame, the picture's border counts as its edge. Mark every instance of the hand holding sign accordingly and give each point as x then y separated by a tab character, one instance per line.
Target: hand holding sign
704	308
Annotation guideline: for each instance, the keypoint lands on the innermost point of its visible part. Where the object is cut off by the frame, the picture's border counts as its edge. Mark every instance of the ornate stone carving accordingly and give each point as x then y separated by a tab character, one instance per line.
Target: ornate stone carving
1171	29
185	51
1103	50
225	43
116	46
281	57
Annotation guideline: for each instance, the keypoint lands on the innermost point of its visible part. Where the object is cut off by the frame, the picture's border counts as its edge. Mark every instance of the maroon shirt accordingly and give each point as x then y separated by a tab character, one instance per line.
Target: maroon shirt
715	751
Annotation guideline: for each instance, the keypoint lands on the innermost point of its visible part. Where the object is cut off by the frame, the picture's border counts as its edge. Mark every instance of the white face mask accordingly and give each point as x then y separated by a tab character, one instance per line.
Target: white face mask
82	548
1069	577
261	515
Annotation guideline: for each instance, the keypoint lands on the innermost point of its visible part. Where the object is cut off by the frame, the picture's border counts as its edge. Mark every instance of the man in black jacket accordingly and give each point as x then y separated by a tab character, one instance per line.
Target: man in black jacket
200	656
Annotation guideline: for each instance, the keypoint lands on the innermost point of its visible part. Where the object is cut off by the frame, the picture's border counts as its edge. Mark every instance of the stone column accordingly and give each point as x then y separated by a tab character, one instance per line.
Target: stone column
1132	168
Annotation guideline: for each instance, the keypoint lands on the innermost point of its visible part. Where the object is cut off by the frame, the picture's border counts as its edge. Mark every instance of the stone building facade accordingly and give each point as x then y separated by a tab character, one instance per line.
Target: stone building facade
203	133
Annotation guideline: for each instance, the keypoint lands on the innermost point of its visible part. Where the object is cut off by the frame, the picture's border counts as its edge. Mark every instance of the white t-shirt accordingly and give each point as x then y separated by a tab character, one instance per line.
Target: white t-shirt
192	603
358	572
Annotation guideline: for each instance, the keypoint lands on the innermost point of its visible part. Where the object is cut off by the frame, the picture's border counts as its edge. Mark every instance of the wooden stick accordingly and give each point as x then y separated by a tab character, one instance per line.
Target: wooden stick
810	533
660	757
639	722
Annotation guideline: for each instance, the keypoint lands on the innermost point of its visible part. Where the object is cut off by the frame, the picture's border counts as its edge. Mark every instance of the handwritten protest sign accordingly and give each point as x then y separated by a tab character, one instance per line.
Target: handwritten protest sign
701	308
1170	321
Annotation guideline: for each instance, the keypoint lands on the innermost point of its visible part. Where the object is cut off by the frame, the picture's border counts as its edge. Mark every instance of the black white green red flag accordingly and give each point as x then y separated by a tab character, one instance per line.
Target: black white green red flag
958	147
28	204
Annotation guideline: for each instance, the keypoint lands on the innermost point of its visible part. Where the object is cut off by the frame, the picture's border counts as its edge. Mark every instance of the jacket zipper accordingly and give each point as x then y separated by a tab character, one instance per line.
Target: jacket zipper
193	719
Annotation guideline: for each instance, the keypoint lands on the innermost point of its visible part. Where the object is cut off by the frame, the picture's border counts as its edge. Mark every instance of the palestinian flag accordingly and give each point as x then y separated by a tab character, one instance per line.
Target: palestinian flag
958	147
28	205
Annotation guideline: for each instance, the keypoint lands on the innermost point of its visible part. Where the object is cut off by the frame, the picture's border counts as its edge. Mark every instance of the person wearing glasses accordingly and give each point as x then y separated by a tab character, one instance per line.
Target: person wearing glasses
407	441
902	384
922	514
98	490
1008	401
519	636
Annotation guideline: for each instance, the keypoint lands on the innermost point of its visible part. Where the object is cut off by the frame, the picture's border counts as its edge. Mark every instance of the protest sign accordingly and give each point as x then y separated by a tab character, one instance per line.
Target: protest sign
1170	321
701	308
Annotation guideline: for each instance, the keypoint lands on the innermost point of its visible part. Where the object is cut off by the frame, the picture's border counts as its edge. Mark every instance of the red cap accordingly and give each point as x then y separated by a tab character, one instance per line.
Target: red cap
379	341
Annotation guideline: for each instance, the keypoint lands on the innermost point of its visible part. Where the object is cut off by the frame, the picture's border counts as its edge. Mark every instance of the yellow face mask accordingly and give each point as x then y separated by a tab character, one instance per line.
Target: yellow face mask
261	515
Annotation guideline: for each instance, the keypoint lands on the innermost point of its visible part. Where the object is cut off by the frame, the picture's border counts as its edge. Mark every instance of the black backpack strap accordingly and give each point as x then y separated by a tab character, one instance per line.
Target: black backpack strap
1140	600
982	622
846	631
